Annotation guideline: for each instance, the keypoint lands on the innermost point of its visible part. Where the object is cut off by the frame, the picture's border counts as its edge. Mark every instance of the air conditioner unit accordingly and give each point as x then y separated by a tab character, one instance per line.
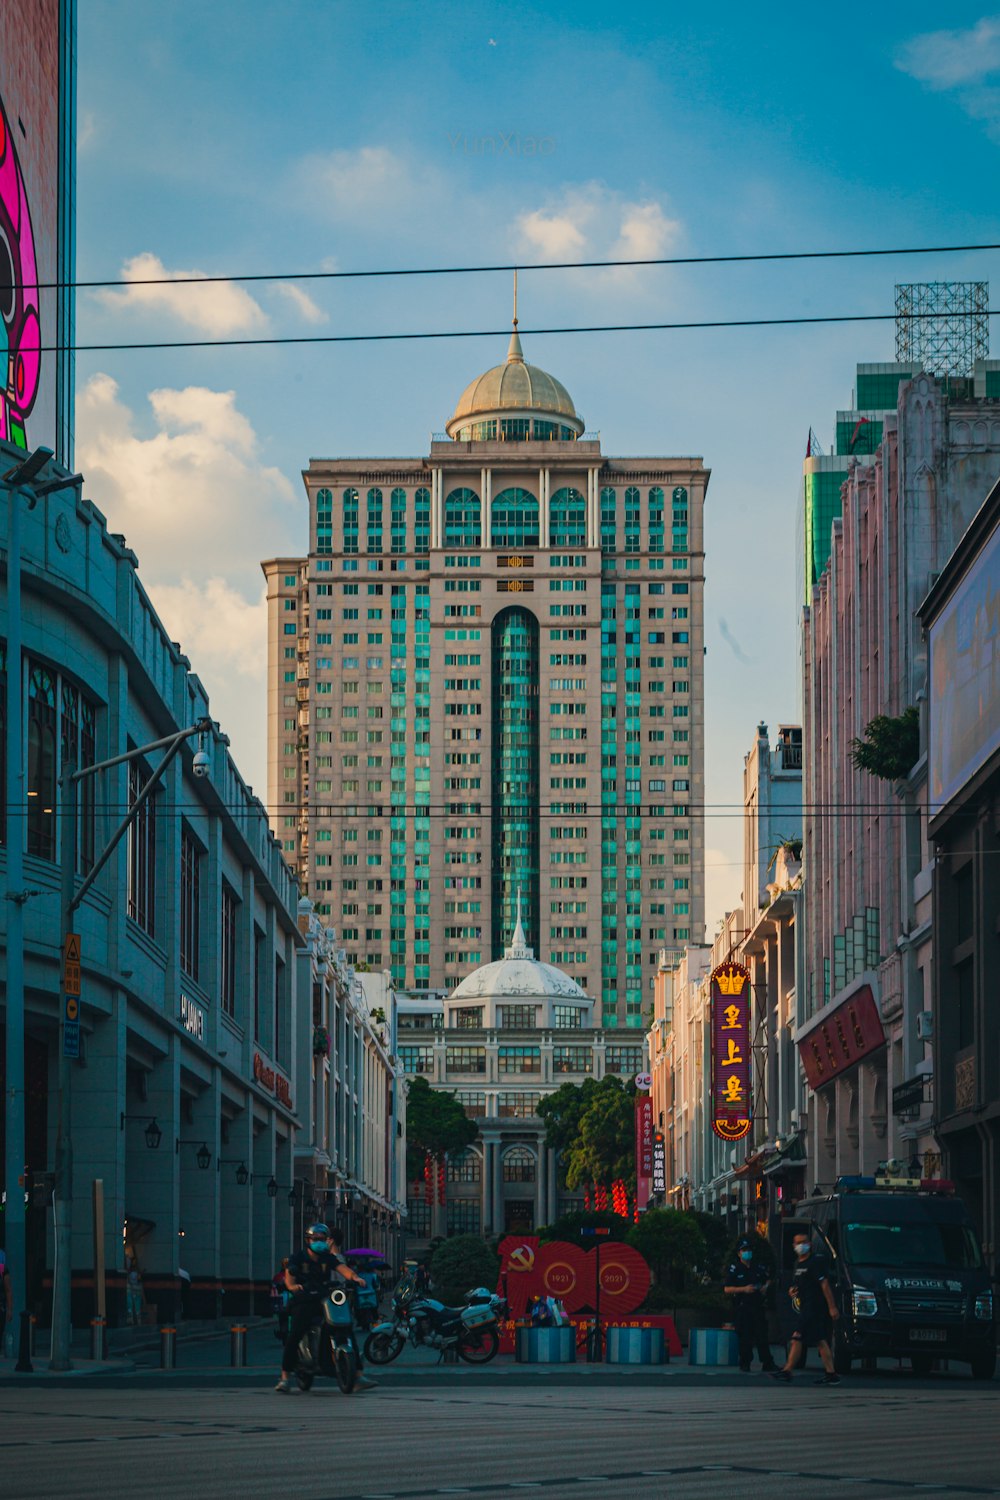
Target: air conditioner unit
925	1026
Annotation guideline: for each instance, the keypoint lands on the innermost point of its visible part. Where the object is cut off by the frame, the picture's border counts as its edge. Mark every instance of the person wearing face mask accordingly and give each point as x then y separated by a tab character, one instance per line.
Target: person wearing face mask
747	1280
309	1276
815	1307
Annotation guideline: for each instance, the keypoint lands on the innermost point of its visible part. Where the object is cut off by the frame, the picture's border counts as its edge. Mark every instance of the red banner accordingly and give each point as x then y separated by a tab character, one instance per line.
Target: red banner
848	1034
731	1075
582	1322
643	1149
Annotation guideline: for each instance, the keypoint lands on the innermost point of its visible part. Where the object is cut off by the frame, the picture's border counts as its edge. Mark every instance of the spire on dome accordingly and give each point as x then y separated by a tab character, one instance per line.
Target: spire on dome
515	355
519	943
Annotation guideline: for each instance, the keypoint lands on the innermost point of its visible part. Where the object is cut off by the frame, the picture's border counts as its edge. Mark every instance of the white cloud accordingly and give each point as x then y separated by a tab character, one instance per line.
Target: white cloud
965	62
362	185
948	59
194	489
222	632
217	308
594	222
200	510
308	310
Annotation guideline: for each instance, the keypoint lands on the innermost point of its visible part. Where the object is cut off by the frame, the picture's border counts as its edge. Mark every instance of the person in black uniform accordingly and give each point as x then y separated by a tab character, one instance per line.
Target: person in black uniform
747	1281
815	1309
309	1276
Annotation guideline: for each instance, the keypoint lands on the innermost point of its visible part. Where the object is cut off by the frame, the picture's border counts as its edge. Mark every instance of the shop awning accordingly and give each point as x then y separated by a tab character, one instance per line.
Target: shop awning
791	1155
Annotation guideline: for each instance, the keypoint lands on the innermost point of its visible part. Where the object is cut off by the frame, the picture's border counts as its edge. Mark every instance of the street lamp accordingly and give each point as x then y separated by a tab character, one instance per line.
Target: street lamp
203	1157
242	1171
153	1133
20	483
71	898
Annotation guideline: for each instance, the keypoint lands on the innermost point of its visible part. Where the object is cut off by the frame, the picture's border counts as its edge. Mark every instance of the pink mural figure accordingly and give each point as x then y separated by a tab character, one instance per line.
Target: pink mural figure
20	330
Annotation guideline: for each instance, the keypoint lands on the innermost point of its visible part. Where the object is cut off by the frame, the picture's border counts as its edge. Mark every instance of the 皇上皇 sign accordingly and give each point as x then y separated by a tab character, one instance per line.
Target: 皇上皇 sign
730	991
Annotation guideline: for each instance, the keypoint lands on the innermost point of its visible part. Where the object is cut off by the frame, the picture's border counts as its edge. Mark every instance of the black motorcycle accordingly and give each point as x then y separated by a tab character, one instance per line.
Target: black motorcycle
471	1331
329	1347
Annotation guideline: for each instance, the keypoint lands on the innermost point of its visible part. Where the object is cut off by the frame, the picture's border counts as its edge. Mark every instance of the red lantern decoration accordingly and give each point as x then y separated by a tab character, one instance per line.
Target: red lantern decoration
428	1180
441	1181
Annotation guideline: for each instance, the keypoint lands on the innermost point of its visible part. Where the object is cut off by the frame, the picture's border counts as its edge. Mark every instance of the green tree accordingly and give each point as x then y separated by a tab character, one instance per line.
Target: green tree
461	1263
604	1149
672	1243
562	1111
719	1245
436	1125
890	747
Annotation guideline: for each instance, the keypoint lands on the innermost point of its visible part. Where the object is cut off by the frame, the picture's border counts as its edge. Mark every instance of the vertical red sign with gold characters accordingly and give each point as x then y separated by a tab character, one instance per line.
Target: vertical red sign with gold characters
731	1077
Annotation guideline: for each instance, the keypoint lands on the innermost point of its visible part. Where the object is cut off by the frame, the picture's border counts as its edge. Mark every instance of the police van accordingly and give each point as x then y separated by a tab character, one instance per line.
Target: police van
907	1270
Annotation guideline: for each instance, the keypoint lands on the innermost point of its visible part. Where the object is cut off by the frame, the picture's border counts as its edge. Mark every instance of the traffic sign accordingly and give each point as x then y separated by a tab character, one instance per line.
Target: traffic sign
644	1082
72	1008
585	1229
71	1038
71	964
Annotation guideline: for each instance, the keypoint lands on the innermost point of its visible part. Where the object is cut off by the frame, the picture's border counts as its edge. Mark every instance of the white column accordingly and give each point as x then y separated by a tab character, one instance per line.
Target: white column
486	496
543	507
437	509
593	509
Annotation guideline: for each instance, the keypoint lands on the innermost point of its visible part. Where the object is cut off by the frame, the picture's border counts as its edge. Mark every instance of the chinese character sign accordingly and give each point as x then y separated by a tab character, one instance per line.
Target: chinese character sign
659	1164
643	1148
731	1077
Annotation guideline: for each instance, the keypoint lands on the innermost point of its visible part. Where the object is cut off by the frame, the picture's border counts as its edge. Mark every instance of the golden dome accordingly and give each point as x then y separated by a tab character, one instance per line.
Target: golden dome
515	389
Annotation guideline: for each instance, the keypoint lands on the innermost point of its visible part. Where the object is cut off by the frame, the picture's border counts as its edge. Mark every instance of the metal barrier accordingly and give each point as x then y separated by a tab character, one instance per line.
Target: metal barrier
98	1338
168	1348
238	1346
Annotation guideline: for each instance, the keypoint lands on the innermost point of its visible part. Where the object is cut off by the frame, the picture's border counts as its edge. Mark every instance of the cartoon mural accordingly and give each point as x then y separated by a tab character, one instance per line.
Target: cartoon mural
20	329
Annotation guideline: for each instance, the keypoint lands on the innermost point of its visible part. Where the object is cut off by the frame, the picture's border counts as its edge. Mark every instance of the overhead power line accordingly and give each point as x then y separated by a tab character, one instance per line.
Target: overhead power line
511	266
476	333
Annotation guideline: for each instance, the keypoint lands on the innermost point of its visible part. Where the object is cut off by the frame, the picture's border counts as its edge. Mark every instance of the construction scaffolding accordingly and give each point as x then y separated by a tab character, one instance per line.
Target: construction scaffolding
942	326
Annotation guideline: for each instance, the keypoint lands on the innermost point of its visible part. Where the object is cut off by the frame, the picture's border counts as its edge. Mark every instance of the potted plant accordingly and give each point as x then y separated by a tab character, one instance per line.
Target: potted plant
321	1042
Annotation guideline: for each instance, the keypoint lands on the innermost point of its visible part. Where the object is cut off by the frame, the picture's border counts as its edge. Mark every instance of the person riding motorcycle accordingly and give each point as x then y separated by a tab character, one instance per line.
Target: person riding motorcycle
308	1277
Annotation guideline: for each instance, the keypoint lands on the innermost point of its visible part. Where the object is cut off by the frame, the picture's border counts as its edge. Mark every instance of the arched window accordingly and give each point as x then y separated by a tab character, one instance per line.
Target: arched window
608	510
514	519
375	520
462	524
324	520
397	512
567	519
465	1166
351	521
422	520
656	519
41	764
632	502
518	1165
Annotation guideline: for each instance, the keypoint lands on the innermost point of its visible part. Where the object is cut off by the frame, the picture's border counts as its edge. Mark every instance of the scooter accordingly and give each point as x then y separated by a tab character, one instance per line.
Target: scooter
329	1347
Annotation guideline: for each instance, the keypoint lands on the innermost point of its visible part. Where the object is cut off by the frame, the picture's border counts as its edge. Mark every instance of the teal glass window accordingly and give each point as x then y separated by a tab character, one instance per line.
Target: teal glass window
656	524
397	520
351	501
567	519
515	774
422	520
632	519
514	519
608	513
462	524
374	529
324	525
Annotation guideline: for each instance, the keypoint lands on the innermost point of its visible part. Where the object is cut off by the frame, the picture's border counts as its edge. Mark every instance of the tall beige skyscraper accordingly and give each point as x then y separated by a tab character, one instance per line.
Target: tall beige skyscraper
487	677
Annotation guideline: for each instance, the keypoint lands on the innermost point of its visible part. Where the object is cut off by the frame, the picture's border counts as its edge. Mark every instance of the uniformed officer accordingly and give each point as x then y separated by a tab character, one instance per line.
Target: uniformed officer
747	1280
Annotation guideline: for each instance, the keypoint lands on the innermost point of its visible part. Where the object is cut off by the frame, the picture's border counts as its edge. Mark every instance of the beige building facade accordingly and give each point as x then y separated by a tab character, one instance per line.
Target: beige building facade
485	677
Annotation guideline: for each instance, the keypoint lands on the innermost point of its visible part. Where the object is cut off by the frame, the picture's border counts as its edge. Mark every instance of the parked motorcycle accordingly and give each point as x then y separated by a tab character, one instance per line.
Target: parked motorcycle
329	1348
470	1330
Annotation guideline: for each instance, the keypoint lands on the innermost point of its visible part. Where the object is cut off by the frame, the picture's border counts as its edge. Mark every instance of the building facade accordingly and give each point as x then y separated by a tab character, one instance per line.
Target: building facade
438	740
962	619
867	978
350	1152
184	1100
510	1034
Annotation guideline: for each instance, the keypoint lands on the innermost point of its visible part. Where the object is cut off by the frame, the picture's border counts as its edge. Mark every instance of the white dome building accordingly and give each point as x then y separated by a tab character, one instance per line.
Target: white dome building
512	1032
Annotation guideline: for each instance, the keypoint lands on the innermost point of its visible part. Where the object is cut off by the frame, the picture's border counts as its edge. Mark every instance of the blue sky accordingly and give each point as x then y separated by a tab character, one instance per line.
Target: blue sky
278	138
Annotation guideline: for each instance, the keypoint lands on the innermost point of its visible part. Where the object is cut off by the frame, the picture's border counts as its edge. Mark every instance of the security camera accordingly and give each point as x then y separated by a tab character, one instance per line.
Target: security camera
201	765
